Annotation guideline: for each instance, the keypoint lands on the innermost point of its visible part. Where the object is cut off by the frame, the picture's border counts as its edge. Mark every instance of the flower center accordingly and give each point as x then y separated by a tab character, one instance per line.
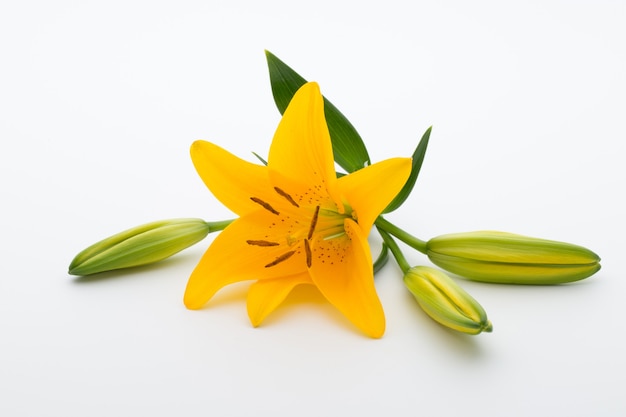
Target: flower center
303	222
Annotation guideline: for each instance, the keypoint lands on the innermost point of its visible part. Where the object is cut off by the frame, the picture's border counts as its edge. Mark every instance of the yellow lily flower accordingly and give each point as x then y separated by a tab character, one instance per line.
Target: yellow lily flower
298	223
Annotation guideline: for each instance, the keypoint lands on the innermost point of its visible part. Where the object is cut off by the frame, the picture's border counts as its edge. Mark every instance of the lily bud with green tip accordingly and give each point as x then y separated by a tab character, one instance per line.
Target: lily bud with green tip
140	245
445	301
512	259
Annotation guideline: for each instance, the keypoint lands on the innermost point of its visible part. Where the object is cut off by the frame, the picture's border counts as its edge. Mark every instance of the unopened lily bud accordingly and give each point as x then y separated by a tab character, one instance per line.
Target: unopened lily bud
513	259
445	301
140	245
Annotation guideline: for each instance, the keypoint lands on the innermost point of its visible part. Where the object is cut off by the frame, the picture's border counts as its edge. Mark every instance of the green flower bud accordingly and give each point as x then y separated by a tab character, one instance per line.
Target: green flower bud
444	301
140	245
513	259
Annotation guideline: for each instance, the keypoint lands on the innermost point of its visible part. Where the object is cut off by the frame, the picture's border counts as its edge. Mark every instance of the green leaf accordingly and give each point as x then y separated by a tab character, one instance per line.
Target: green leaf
348	147
382	258
263	161
418	158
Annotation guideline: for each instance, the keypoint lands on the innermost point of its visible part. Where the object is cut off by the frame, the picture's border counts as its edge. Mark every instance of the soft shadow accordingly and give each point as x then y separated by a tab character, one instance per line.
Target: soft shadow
307	298
459	344
584	282
233	293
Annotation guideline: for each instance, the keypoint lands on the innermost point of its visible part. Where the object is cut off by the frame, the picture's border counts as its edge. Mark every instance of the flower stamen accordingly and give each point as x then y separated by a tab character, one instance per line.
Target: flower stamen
334	235
286	196
313	222
262	243
281	258
265	205
307	249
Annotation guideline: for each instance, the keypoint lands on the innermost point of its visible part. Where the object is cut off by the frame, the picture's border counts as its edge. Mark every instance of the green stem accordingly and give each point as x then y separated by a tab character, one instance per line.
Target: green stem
392	229
220	225
395	250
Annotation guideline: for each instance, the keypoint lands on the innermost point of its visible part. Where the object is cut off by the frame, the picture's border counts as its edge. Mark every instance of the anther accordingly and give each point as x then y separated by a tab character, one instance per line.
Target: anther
286	196
281	258
307	249
313	222
265	205
262	243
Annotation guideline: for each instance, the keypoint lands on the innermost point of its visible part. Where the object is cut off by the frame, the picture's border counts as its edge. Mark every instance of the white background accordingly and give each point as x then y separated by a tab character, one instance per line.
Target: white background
99	102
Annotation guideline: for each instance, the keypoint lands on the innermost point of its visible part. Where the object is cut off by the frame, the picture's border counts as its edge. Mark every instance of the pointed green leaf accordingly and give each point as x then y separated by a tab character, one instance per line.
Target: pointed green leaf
348	147
418	158
263	161
382	258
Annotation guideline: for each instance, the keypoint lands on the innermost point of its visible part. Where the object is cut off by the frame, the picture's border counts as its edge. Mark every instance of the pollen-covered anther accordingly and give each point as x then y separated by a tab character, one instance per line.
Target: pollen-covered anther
262	243
265	205
313	222
286	196
307	249
281	258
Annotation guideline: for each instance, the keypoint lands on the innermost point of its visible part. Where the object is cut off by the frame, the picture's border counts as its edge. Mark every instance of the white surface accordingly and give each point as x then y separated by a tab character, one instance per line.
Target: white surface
99	102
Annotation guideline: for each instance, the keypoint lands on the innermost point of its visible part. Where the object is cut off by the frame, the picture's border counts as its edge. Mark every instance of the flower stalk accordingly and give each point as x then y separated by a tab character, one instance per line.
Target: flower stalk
439	295
393	247
392	229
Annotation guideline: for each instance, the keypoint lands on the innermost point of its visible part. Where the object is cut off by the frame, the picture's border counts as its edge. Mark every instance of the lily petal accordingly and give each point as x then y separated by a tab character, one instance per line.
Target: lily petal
266	295
230	258
231	179
301	149
342	270
371	189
